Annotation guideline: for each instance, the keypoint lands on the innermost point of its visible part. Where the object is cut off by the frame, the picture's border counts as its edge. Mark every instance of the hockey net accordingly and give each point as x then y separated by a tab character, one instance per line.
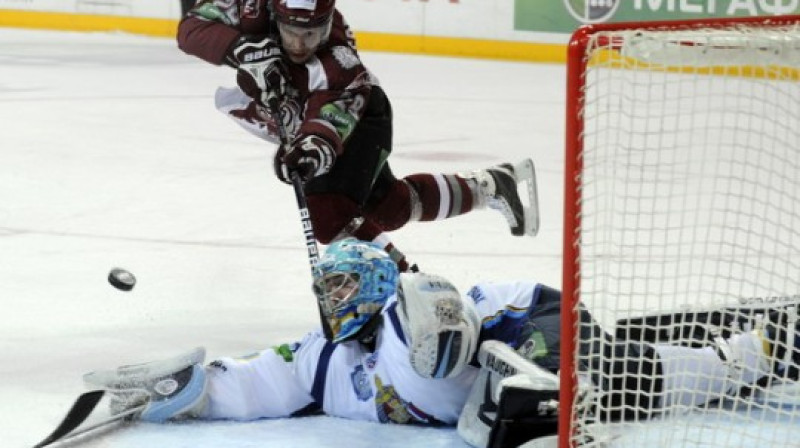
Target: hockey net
682	196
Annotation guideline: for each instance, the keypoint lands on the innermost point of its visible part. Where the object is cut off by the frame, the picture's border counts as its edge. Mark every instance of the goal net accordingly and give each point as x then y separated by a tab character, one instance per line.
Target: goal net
682	226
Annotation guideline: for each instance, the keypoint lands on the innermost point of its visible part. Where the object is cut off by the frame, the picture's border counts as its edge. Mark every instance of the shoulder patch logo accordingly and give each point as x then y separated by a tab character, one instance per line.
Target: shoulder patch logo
345	57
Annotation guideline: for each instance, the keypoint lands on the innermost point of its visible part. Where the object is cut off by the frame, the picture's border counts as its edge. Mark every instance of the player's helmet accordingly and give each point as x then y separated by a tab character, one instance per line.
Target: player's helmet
303	13
352	282
304	25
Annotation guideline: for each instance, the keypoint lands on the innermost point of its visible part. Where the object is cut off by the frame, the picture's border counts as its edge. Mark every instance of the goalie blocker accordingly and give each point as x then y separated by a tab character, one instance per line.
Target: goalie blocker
511	402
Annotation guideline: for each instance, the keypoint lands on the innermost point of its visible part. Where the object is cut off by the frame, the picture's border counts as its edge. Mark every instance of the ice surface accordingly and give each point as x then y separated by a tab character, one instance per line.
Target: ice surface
112	154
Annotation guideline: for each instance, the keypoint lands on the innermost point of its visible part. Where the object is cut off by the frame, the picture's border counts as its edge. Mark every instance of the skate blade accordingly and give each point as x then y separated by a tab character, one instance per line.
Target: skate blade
525	173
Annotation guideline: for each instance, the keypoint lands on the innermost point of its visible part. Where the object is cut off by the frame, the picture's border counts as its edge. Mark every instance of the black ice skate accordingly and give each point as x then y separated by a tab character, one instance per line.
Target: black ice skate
498	190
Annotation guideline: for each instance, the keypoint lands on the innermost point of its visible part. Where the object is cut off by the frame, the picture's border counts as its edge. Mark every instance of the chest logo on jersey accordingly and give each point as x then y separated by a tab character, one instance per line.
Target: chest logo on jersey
345	57
360	381
393	409
251	9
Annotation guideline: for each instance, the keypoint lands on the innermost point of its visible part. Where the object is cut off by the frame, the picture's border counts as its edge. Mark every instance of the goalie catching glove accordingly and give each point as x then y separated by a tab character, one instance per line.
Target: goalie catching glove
261	73
309	156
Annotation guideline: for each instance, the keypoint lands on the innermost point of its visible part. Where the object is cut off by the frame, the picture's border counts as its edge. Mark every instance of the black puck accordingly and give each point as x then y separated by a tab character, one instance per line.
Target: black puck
121	279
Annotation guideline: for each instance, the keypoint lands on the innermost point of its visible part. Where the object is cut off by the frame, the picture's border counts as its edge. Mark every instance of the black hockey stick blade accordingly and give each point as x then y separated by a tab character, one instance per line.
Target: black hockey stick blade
78	413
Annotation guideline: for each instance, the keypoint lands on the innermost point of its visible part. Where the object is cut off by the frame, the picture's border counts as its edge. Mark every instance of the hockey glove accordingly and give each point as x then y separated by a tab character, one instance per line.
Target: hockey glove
310	156
261	73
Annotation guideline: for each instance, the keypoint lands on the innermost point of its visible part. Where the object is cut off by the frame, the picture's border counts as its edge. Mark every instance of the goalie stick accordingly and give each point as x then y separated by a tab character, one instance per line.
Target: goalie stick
80	411
127	400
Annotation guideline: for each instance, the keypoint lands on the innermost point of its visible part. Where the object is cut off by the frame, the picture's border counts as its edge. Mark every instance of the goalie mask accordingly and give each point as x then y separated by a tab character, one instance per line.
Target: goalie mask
352	282
304	26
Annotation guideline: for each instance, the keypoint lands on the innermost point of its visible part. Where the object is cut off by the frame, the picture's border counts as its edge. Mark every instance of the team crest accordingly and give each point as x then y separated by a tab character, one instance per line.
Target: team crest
360	382
345	57
393	409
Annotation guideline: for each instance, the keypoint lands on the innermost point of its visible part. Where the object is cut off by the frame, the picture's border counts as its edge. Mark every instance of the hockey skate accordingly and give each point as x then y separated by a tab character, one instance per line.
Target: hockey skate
162	389
498	190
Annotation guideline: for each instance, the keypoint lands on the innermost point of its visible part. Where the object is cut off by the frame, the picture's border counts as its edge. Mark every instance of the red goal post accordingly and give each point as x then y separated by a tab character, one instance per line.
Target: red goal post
718	56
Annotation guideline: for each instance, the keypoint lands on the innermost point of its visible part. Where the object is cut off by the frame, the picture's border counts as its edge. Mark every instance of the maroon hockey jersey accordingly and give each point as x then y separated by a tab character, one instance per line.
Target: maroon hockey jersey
327	95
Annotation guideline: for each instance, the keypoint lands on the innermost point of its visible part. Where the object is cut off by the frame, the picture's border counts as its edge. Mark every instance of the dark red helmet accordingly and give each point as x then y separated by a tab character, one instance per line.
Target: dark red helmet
303	13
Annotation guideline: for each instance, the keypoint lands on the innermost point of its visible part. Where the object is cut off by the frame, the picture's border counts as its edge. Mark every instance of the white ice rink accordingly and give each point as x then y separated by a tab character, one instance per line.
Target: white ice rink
112	154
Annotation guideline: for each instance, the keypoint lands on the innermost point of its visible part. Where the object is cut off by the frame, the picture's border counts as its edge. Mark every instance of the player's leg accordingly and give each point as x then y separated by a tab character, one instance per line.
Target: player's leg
496	187
781	334
337	199
625	376
433	197
643	378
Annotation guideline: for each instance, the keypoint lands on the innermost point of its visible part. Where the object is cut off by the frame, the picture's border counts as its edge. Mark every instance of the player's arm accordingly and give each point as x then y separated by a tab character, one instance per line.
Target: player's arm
209	30
337	101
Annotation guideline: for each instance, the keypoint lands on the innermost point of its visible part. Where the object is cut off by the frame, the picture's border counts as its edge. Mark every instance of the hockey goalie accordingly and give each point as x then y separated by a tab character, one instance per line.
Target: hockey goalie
408	348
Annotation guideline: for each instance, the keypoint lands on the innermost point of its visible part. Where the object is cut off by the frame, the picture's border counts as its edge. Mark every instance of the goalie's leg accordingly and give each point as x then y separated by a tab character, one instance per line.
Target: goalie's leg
172	388
782	336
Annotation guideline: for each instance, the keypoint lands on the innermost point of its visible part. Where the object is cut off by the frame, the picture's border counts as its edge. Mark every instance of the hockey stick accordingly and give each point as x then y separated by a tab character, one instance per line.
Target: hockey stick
77	414
80	411
305	219
297	183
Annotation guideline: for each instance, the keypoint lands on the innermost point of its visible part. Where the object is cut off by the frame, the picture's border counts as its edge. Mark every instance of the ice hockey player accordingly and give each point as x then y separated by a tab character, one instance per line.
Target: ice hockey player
408	348
300	57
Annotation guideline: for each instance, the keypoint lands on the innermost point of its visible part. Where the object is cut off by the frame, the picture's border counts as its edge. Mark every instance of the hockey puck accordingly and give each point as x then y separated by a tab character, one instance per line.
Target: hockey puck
121	279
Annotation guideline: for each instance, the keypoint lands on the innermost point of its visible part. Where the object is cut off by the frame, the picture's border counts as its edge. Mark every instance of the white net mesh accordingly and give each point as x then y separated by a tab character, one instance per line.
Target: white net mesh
690	200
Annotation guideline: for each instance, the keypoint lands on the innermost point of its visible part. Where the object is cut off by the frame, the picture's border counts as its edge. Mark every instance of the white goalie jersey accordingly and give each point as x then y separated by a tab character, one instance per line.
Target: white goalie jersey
354	381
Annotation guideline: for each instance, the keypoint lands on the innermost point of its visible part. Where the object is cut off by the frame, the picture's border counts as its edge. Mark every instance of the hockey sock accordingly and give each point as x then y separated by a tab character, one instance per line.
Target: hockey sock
442	196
